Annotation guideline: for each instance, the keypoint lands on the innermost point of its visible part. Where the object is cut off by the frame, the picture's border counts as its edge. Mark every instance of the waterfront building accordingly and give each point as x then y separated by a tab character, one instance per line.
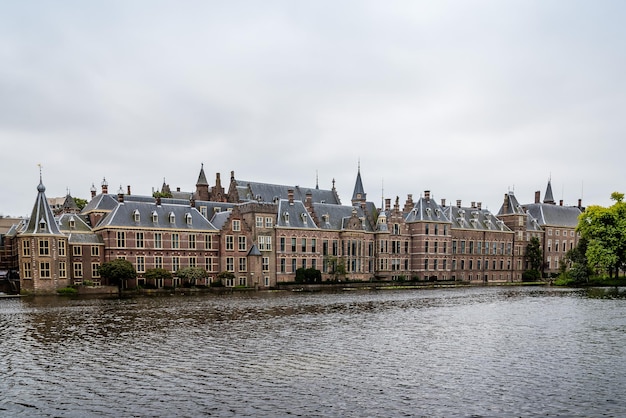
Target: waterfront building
264	233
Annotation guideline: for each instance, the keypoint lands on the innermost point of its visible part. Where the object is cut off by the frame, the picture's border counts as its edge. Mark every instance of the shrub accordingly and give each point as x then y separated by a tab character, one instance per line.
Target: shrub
67	291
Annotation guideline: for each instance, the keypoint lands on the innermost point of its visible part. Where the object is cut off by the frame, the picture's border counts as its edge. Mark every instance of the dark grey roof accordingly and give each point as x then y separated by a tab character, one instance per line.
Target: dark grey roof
294	215
139	214
474	218
335	216
202	181
359	192
101	203
554	215
427	210
220	218
548	198
69	222
265	192
511	205
42	219
254	250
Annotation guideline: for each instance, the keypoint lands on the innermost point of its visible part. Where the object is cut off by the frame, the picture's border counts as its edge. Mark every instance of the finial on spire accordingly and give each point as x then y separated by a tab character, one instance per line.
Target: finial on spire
317	180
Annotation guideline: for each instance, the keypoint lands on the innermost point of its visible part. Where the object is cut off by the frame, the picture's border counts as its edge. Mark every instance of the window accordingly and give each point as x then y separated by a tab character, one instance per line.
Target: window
158	240
139	239
203	211
462	247
25	248
282	244
188	218
62	270
121	239
192	262
303	245
78	270
136	215
283	265
230	264
259	222
435	244
313	245
243	265
242	281
44	247
267	281
44	270
62	248
265	243
175	240
230	243
454	247
172	217
294	265
77	250
158	262
207	242
175	263
241	243
236	225
95	251
265	263
293	245
192	241
155	217
425	247
26	272
427	229
141	264
95	270
269	222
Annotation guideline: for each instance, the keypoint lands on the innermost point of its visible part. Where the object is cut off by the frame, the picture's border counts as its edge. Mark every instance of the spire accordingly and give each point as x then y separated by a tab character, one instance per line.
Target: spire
42	219
202	181
359	193
548	198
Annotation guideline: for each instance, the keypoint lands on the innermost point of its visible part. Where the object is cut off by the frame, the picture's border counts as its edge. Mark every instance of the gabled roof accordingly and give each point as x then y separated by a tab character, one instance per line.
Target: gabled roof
103	202
131	214
475	219
265	192
294	215
219	219
42	219
510	206
427	210
334	217
554	215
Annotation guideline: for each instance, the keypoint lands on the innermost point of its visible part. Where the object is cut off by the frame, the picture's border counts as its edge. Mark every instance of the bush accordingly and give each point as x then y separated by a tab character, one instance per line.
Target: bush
531	276
67	291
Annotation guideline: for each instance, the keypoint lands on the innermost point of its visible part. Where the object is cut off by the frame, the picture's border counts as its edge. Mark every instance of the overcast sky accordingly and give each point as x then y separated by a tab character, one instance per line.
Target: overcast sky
467	99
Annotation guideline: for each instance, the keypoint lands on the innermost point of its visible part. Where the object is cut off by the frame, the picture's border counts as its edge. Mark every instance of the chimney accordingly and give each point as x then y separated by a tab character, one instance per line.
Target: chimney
128	189
537	196
93	191
561	202
309	199
105	186
580	203
397	204
458	203
387	204
192	201
479	205
120	195
178	189
505	205
232	176
408	205
473	205
158	201
427	195
290	196
443	203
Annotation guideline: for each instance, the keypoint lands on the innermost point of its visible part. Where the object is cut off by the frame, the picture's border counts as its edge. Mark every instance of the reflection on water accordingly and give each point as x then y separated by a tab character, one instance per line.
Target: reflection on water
474	351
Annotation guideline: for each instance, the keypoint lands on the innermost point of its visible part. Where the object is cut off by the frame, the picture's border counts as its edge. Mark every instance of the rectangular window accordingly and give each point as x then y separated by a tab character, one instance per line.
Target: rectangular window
294	265
269	222
139	239
462	247
78	270
95	251
193	262
313	245
259	222
230	264
230	243
158	240
282	244
203	211
283	265
175	240
242	281
236	225
62	248
293	245
175	264
62	270
427	229
158	262
265	263
303	245
141	264
241	240
44	247
95	270
435	244
26	248
425	247
243	265
471	247
121	239
192	241
77	250
454	247
44	270
208	242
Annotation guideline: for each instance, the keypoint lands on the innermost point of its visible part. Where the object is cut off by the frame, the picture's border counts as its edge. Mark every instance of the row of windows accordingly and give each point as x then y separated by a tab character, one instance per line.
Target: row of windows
44	248
209	263
559	246
140	241
478	247
45	271
264	222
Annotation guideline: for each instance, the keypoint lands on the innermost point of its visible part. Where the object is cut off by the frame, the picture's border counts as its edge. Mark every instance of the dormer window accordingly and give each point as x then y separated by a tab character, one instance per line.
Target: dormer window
42	224
325	218
188	218
136	215
72	223
172	217
304	218
155	217
286	217
428	211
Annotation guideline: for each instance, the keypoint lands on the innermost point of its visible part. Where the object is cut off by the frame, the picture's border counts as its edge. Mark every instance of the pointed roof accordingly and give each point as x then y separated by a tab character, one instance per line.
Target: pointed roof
202	181
548	197
359	193
42	219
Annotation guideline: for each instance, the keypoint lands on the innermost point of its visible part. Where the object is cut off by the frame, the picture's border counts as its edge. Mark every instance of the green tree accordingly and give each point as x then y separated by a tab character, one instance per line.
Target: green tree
155	274
605	232
191	275
309	275
117	271
534	256
222	277
81	203
577	257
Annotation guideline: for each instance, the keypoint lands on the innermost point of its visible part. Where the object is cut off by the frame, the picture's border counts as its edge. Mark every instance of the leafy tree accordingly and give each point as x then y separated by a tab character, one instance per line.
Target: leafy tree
577	256
604	229
191	275
222	277
157	273
117	271
162	194
534	255
81	203
309	275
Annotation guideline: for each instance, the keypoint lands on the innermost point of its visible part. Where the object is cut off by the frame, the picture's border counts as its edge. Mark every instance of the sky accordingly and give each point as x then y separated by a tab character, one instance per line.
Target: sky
467	99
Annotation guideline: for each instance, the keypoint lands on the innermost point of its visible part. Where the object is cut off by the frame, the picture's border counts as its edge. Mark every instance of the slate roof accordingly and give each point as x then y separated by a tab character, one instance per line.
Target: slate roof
131	214
42	220
294	215
359	192
101	203
266	192
554	215
334	217
474	218
427	210
220	218
511	206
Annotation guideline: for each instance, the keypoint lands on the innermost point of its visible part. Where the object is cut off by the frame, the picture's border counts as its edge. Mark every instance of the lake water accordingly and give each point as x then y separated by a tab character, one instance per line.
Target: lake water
488	351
